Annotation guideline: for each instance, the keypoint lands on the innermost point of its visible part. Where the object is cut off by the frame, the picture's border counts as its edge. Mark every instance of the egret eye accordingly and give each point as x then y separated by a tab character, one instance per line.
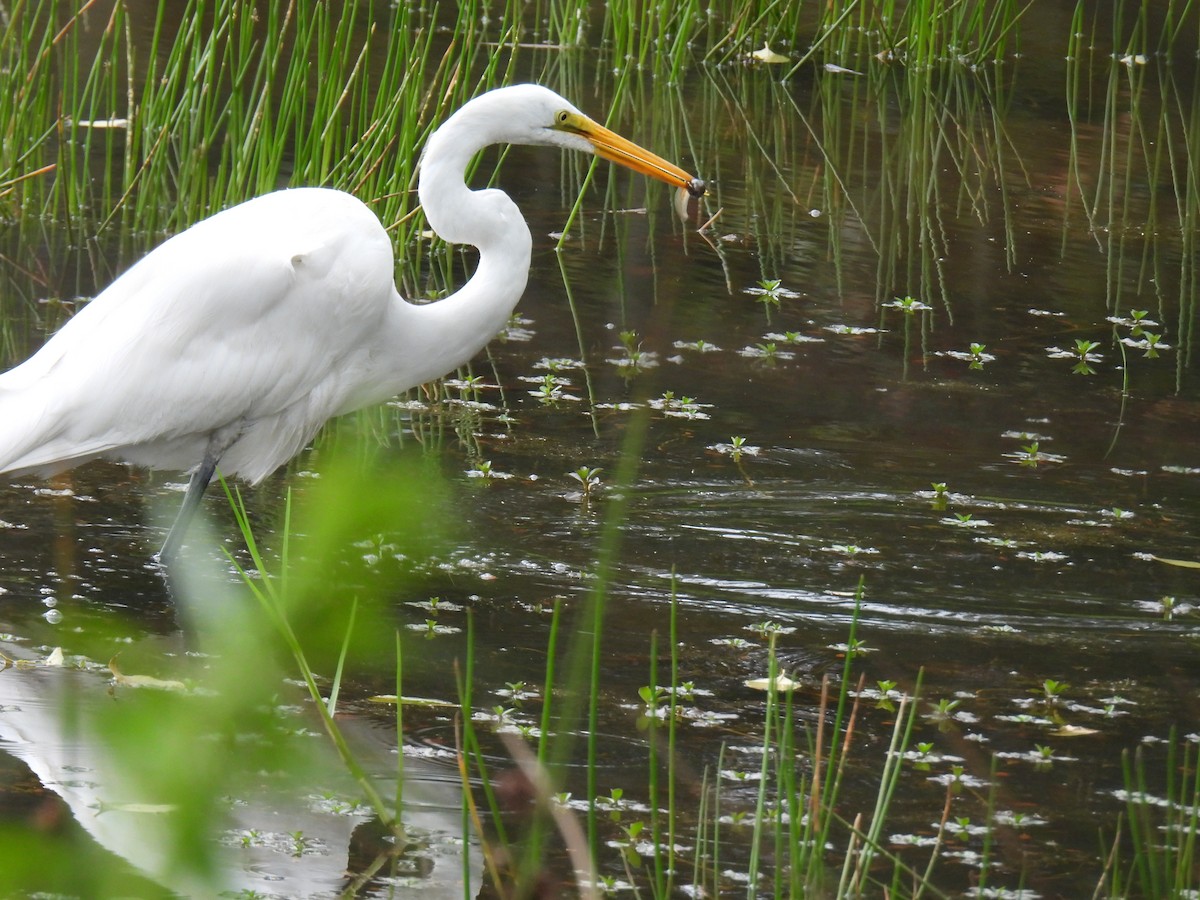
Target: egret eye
562	117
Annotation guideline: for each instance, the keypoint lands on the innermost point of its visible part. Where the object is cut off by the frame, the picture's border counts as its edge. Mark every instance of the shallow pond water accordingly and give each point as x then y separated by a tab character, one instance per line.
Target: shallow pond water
805	375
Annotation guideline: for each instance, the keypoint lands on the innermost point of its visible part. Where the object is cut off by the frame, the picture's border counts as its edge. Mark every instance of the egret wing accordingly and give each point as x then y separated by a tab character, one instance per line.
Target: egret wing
247	319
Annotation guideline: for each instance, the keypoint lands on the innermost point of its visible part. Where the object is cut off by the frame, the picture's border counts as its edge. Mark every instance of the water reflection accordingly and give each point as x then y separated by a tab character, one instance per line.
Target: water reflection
1020	217
278	835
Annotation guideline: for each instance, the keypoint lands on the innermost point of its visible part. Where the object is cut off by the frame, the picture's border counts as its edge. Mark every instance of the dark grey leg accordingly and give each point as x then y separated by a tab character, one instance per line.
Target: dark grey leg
191	502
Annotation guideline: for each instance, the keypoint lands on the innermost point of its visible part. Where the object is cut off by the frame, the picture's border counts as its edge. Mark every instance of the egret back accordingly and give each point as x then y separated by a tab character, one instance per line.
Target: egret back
247	329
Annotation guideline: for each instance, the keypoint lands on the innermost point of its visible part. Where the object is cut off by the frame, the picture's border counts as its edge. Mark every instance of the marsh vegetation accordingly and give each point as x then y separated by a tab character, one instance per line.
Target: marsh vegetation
839	541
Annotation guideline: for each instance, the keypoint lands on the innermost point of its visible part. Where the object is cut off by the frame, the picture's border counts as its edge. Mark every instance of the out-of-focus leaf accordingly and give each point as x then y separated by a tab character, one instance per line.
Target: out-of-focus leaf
144	681
1182	563
412	701
156	809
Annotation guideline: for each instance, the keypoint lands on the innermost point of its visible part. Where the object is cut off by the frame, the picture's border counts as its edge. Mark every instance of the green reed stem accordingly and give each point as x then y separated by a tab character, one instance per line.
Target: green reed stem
760	805
652	738
399	799
672	733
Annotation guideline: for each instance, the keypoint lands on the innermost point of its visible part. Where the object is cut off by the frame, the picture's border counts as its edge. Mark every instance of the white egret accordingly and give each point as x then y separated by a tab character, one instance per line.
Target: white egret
235	340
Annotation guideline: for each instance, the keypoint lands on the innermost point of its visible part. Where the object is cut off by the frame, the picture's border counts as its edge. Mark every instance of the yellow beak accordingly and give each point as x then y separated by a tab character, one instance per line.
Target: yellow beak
611	146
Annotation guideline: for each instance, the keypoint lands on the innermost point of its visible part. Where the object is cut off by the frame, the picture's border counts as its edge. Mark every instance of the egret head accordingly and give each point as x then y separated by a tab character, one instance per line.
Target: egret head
532	114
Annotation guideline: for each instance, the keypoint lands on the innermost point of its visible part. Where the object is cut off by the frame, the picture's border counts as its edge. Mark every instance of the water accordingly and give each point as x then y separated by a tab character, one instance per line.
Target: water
852	192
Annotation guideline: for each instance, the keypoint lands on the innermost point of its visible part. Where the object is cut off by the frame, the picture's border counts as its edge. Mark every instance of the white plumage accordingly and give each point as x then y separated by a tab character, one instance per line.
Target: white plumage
234	341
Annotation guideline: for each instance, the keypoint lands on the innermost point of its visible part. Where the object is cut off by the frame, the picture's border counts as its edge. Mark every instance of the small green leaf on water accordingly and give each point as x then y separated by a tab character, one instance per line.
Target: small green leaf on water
411	701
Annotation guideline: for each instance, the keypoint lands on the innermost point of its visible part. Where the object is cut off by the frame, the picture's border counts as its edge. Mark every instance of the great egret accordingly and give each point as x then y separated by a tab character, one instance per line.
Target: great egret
235	340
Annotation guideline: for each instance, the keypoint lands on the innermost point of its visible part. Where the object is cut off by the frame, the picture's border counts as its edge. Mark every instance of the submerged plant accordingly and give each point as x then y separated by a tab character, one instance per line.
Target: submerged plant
771	287
769	291
588	479
1140	319
551	389
635	358
483	469
679	407
700	346
944	710
654	696
1084	353
908	305
738	447
978	356
1150	344
1137	321
1053	690
940	496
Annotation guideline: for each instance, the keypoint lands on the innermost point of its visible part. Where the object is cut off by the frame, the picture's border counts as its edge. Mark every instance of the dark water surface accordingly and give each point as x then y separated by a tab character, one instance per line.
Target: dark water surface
1014	219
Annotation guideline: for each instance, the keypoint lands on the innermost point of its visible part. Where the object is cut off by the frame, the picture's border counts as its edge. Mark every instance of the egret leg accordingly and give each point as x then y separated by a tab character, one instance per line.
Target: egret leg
191	502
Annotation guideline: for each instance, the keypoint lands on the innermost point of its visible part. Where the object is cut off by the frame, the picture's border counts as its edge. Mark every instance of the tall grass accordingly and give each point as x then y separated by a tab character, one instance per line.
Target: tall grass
145	134
1146	121
223	100
148	130
1153	852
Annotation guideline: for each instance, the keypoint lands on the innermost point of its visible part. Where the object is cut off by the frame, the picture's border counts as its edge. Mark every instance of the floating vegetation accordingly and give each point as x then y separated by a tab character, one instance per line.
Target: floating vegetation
766	351
1151	345
852	329
1031	456
588	479
771	291
975	355
791	337
880	173
908	305
551	389
517	330
432	627
435	604
700	346
1084	353
966	520
486	471
635	359
558	364
1042	556
680	407
736	448
851	550
1000	542
958	778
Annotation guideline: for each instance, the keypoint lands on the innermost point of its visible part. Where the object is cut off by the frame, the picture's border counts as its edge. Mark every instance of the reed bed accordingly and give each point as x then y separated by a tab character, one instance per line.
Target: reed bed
116	126
136	128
